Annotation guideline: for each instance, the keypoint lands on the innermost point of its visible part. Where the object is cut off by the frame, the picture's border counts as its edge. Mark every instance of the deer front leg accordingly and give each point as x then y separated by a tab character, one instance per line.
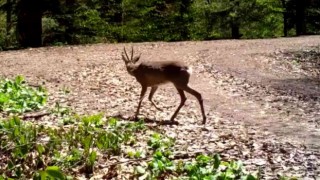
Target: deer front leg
152	91
143	92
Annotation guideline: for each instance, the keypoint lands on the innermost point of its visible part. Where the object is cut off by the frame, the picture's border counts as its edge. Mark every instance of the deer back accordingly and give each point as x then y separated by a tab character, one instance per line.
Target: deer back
158	72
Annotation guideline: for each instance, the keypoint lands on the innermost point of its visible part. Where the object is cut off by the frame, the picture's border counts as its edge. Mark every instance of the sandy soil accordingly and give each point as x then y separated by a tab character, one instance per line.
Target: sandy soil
242	82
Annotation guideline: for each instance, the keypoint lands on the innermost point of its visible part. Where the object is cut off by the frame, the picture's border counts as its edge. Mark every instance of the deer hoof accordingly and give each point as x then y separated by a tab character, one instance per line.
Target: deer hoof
204	120
175	122
133	118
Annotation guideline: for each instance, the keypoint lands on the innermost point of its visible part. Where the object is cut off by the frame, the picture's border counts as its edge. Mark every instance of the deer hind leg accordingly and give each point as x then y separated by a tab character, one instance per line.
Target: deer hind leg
143	92
200	100
183	100
152	91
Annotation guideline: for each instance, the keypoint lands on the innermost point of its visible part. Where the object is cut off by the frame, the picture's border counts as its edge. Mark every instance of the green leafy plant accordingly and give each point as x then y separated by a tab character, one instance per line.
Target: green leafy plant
17	97
29	147
202	167
163	166
51	172
287	178
207	167
61	110
40	152
159	141
17	140
160	166
136	154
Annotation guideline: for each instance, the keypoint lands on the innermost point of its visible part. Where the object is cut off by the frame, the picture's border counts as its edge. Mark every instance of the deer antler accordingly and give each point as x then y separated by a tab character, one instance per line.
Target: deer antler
125	52
131	53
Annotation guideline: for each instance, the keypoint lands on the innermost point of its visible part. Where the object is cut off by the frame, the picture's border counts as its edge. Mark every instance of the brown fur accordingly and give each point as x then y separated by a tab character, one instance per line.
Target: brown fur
154	73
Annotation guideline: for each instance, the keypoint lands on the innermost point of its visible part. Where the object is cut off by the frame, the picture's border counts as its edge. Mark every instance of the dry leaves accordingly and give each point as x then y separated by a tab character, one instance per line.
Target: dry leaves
98	82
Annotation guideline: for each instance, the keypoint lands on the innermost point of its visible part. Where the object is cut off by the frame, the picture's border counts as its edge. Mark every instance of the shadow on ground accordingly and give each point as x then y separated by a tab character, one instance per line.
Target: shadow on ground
306	89
147	120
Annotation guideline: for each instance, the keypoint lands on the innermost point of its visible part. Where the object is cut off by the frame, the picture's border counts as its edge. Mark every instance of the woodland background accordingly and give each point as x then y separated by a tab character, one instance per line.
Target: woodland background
69	117
34	23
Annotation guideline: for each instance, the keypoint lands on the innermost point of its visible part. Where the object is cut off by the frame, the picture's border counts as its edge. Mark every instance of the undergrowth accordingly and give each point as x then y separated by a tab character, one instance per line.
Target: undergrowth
77	144
17	97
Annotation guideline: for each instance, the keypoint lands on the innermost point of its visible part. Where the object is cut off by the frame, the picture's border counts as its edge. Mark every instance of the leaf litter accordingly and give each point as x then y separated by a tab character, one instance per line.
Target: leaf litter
106	87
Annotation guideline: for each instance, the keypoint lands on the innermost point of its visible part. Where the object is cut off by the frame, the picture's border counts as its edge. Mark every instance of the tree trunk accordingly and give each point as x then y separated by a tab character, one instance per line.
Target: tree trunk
235	31
285	18
300	17
184	7
29	25
70	4
9	21
235	22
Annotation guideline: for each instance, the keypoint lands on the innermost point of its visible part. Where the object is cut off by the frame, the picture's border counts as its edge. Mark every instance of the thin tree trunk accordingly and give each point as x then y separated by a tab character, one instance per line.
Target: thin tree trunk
9	21
300	17
29	25
69	22
184	7
235	23
285	18
235	30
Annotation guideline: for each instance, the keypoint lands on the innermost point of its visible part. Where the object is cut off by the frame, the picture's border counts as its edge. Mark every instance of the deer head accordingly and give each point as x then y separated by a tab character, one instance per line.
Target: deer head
128	60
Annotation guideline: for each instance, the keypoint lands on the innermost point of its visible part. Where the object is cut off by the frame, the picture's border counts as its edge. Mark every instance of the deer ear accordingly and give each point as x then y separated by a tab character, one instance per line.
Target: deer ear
136	59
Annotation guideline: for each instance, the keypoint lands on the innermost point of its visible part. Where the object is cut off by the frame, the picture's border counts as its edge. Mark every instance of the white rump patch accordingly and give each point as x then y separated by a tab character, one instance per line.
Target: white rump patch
189	70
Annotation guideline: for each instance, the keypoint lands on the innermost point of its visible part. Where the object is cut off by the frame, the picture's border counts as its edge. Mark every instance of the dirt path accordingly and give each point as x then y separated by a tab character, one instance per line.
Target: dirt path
248	86
239	80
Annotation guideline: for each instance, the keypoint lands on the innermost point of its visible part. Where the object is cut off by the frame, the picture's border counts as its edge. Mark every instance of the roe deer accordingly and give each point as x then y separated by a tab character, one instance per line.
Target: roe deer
154	73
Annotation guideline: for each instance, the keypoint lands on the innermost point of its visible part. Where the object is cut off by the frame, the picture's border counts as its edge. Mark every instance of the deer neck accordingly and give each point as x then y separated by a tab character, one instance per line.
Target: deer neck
132	69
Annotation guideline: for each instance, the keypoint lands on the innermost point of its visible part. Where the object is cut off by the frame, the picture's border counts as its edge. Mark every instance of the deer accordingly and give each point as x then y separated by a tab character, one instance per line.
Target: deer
155	73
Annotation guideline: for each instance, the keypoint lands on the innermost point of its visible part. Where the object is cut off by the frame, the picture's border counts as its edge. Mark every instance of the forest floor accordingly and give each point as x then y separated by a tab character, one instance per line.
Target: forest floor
262	97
